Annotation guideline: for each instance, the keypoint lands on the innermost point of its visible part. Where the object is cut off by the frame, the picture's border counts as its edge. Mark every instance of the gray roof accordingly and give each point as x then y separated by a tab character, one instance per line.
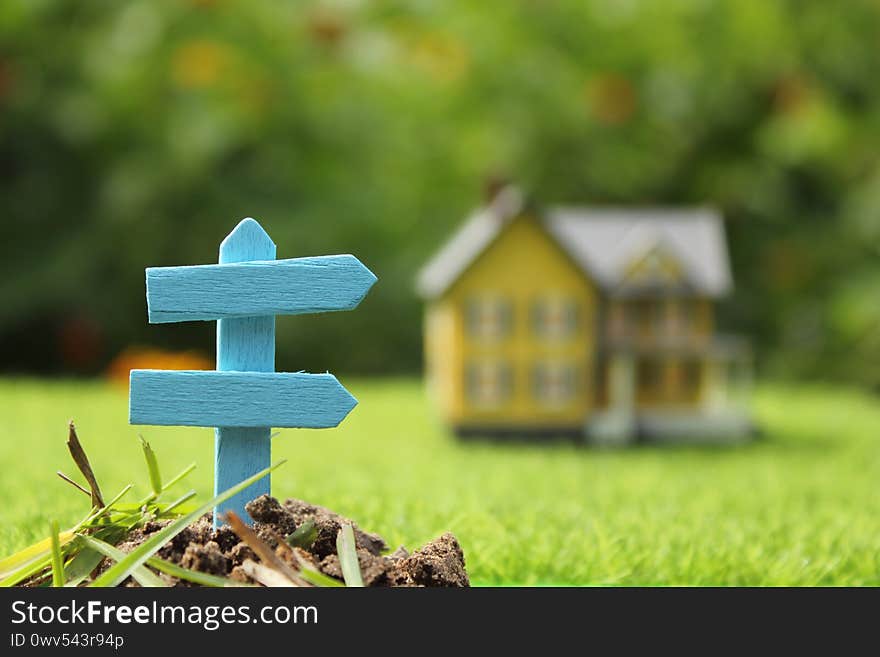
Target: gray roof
602	241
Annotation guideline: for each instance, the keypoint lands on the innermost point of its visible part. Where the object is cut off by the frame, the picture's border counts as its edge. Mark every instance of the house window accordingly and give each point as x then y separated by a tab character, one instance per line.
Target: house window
489	318
691	377
555	318
681	317
554	383
646	316
488	383
649	380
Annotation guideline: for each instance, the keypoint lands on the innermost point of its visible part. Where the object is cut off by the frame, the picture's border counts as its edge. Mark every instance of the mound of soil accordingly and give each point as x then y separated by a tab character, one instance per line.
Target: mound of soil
220	552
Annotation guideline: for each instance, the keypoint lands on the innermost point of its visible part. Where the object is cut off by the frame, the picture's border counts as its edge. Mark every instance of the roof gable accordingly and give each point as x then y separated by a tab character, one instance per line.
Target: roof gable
606	241
656	266
602	242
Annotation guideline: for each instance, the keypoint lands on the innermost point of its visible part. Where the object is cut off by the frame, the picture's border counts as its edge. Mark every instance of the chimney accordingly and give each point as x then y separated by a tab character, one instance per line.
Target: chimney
493	185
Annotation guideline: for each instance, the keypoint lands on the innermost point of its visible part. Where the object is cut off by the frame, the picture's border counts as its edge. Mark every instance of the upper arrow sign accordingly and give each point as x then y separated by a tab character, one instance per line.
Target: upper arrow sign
255	289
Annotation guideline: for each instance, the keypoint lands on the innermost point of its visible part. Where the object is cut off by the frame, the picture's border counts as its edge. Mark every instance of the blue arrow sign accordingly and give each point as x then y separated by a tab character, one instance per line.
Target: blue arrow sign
245	397
237	399
255	289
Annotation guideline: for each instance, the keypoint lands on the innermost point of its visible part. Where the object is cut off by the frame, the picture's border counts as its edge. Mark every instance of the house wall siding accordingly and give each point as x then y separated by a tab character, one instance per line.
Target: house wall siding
521	267
443	366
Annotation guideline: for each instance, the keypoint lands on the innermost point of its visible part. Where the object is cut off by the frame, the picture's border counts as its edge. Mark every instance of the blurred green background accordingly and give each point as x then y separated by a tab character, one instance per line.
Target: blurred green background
135	134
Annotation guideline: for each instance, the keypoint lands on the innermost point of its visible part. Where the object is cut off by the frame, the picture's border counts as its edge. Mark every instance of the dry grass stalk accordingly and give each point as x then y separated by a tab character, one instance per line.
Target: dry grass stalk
82	462
261	549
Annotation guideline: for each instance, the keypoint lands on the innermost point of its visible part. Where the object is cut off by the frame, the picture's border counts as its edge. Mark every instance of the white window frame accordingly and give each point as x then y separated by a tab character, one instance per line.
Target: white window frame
488	383
488	318
555	318
555	383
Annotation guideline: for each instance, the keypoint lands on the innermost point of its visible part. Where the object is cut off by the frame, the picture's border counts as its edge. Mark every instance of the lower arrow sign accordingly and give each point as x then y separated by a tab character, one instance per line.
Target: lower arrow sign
237	399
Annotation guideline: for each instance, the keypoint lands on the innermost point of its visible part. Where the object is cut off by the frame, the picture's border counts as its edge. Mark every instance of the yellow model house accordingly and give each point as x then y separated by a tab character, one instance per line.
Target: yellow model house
581	321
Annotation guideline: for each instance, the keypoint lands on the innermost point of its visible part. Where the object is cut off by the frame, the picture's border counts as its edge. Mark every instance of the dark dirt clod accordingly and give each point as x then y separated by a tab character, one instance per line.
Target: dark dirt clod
268	534
240	552
199	532
225	538
206	558
152	526
400	553
439	563
200	547
374	569
327	525
267	510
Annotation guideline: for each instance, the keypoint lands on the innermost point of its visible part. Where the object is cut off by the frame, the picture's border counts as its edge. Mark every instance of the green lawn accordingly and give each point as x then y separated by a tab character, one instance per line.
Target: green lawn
801	506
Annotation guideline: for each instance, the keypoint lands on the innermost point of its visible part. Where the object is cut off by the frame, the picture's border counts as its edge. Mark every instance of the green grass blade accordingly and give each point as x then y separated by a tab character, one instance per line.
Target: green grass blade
83	563
153	467
118	497
141	574
348	558
304	535
57	557
137	557
19	562
318	578
87	558
108	507
180	475
29	570
180	500
193	576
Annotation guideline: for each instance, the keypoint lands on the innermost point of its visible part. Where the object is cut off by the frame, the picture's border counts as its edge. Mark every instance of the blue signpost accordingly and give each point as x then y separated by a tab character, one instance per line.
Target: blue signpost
244	398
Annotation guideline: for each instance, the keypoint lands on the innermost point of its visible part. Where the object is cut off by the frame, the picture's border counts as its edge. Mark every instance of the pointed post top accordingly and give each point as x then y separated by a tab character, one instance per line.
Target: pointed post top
247	241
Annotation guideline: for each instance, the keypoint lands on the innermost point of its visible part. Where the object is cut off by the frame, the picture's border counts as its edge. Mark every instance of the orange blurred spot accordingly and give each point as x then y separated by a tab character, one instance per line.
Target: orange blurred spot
150	358
199	64
326	28
611	98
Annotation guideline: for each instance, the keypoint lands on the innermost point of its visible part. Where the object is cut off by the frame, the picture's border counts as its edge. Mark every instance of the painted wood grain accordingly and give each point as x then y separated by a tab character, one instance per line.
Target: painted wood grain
204	398
277	287
243	344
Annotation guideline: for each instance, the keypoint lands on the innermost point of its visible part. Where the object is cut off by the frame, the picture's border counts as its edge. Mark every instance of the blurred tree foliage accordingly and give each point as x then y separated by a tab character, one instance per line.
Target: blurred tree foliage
137	133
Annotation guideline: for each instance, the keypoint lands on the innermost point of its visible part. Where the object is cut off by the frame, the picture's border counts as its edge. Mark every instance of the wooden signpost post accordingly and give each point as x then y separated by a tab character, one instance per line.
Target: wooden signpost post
245	398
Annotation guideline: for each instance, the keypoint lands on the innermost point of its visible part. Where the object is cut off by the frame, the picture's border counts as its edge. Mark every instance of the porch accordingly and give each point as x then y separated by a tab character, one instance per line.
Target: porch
674	392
